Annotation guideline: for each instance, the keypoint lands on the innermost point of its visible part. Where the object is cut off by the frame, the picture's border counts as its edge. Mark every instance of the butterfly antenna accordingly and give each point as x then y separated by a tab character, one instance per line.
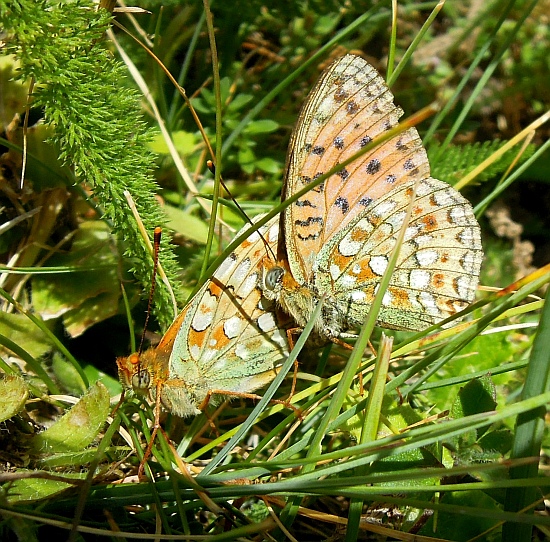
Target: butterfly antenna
156	246
212	169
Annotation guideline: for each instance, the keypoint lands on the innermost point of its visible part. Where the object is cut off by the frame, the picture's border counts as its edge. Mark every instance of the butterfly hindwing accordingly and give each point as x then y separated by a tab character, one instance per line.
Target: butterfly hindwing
437	267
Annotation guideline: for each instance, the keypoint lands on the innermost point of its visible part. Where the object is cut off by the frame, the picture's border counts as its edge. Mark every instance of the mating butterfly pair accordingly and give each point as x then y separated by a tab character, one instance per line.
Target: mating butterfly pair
335	244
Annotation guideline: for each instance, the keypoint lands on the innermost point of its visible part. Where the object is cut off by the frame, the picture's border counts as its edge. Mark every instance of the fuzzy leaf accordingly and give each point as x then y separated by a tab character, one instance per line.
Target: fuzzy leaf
22	331
13	394
34	489
78	427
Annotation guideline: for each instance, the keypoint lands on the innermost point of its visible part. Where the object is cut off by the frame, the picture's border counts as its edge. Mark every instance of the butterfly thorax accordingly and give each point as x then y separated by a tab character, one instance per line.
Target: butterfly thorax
148	373
300	300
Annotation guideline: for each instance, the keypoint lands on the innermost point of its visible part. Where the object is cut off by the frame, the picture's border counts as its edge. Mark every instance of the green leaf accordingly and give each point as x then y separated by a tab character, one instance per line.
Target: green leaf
184	142
239	102
475	397
78	427
268	165
461	527
201	104
34	489
225	90
23	331
70	459
85	297
13	394
91	311
190	226
327	23
67	375
112	384
264	126
246	155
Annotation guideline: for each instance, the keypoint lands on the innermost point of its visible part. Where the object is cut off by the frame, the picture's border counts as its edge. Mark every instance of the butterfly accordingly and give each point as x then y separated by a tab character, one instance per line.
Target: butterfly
229	340
339	236
336	242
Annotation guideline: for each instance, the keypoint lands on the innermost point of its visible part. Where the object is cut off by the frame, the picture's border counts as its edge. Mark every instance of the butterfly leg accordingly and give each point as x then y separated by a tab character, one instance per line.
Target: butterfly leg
289	334
212	417
226	393
156	428
347	346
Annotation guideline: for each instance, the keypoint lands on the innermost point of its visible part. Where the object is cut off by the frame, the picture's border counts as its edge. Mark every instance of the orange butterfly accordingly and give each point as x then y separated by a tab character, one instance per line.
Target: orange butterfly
338	238
228	340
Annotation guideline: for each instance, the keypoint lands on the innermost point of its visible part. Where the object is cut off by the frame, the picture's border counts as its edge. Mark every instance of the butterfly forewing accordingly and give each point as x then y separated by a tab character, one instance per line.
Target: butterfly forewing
234	340
349	107
228	339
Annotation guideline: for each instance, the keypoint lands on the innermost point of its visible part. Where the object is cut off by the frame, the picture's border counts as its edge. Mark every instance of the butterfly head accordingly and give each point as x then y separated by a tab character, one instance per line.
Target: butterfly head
273	281
298	300
134	372
277	280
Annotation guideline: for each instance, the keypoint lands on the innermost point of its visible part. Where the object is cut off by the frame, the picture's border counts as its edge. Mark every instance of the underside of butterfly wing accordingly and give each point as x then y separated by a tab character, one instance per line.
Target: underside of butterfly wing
438	267
349	107
231	338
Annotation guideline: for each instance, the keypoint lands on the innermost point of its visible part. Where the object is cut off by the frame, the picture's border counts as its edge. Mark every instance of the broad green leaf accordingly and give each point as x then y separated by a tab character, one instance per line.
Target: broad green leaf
75	294
264	126
67	375
34	489
188	225
22	331
78	427
185	143
268	165
13	394
239	102
90	312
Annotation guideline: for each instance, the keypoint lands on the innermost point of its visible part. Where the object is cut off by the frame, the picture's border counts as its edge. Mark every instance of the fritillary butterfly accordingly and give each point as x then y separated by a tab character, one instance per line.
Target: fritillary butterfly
338	238
228	340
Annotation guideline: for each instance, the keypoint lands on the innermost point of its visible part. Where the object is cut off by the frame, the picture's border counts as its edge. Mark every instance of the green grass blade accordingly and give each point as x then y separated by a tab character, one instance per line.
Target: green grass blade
530	427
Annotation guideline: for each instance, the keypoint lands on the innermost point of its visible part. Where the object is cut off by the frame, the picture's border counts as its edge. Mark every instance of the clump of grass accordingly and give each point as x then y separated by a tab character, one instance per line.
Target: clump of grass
429	450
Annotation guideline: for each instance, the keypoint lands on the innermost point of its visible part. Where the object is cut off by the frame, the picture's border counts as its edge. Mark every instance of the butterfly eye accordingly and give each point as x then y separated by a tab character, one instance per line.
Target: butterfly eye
141	380
273	278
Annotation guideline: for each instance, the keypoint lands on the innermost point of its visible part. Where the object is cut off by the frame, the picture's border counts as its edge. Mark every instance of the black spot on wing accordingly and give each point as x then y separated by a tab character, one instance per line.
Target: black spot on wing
373	166
304	203
408	165
342	203
352	108
310	220
309	237
340	95
365	141
343	173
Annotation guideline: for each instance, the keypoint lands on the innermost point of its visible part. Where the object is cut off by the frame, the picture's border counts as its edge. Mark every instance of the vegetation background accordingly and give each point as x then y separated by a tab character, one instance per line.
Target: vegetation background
97	116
